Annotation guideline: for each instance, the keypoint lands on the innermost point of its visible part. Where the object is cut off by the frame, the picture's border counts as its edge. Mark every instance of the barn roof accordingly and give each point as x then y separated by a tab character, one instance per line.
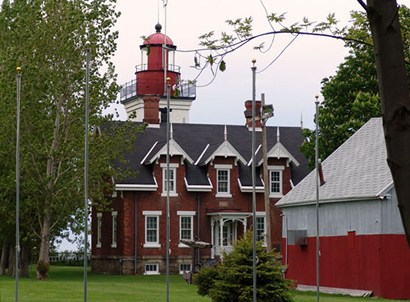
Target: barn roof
356	170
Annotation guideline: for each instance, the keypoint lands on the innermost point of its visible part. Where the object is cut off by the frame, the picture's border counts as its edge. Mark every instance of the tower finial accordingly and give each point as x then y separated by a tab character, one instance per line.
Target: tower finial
158	27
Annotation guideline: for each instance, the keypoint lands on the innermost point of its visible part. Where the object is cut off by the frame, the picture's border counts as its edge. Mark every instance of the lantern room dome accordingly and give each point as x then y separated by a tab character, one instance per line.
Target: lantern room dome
158	37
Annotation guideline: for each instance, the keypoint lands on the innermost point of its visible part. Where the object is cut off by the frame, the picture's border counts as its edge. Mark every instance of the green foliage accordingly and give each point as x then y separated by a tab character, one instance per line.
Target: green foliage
47	39
232	279
351	95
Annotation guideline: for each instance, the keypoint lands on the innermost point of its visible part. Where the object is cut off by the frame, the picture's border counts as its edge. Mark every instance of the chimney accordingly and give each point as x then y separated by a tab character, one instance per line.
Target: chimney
248	114
151	109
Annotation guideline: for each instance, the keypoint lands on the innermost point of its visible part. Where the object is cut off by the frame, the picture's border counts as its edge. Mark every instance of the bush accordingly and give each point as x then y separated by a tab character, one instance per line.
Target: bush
232	280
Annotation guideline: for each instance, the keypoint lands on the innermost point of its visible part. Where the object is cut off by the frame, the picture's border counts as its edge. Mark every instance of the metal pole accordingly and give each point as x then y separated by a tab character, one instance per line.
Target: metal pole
18	80
253	179
167	183
87	81
268	235
317	200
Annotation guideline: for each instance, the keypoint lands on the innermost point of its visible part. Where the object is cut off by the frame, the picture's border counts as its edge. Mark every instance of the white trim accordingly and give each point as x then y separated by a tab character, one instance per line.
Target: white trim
198	188
155	272
280	193
276	167
114	233
172	192
145	157
249	189
137	187
202	154
228	169
190	215
223	166
99	229
152	213
171	165
186	213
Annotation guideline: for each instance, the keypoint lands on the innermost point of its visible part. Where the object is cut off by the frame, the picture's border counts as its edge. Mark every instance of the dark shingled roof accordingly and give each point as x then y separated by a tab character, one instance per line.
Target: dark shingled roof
199	141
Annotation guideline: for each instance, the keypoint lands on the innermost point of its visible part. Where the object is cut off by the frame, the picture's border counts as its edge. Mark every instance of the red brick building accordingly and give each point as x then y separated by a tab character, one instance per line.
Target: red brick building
210	181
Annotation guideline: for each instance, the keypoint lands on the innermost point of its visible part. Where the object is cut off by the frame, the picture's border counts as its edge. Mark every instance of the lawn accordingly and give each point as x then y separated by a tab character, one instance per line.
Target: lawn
66	284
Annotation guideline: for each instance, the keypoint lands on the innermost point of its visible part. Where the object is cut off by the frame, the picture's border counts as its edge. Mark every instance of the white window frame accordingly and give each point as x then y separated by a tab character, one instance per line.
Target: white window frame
261	215
186	214
149	214
181	270
151	272
277	169
114	228
173	180
228	169
99	226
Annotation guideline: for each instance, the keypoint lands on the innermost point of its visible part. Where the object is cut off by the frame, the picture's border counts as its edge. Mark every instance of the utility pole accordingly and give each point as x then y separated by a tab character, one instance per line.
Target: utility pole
268	234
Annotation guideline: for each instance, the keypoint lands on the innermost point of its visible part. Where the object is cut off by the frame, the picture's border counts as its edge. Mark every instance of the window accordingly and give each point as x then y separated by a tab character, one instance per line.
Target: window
275	182
184	267
186	230
172	179
223	180
99	225
151	269
152	228
114	229
260	229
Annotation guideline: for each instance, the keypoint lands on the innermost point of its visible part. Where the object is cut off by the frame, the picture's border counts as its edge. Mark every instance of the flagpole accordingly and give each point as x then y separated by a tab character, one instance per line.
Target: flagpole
317	200
18	80
253	68
87	81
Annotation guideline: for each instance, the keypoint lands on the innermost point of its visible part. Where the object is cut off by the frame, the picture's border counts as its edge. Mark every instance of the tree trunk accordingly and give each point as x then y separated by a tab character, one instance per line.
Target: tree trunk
395	98
44	255
3	259
24	261
11	261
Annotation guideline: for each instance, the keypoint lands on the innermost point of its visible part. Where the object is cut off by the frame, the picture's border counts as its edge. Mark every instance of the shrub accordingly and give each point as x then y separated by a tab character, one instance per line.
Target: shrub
232	280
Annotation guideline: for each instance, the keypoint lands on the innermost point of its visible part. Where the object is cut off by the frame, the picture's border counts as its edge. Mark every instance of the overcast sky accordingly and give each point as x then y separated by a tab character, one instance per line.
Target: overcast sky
290	84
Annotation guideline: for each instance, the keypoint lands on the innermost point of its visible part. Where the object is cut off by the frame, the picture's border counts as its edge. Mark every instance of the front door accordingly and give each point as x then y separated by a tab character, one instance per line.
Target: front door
228	235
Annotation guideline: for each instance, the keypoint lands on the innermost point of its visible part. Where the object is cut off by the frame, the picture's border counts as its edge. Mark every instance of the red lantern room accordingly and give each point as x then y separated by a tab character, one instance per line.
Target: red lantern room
157	63
145	96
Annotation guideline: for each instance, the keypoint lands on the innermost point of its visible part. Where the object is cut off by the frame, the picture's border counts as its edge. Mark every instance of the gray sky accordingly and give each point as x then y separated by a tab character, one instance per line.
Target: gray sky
290	84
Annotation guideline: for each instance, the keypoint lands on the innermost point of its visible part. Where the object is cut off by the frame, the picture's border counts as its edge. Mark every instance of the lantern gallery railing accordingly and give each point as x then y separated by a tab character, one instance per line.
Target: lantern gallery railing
185	89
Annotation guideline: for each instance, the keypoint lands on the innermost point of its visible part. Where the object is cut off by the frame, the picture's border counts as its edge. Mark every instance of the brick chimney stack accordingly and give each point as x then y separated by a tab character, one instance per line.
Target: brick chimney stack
248	114
151	109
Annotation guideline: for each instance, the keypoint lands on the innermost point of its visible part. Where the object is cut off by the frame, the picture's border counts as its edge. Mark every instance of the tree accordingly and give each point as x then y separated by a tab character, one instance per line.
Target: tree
47	39
351	96
232	279
392	78
395	96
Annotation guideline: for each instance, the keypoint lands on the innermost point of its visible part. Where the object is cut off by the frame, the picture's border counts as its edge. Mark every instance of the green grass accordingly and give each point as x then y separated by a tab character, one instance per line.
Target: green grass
66	284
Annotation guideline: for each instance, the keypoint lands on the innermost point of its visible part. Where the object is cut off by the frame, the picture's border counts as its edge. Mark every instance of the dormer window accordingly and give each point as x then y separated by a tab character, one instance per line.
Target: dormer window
275	181
223	173
172	179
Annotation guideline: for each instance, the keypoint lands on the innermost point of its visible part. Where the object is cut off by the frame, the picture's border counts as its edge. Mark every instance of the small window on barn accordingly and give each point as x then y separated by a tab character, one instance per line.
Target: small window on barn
151	269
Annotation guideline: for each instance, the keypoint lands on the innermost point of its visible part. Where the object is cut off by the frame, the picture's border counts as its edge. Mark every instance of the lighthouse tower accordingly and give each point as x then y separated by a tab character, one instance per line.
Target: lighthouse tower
144	98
